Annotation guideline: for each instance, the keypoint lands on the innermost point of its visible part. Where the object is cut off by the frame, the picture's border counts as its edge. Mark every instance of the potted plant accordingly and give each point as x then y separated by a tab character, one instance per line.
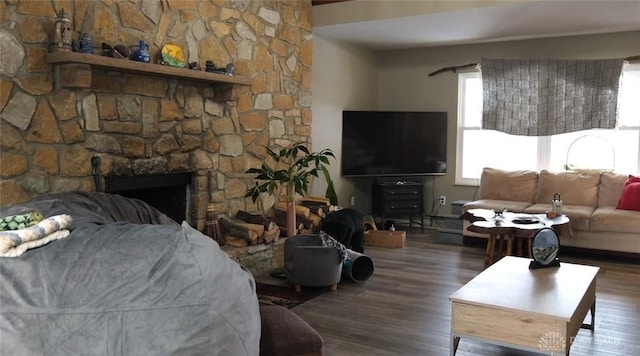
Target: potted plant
295	165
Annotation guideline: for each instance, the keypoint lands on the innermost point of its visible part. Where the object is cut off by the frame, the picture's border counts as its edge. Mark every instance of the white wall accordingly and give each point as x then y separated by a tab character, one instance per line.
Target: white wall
345	77
405	84
366	10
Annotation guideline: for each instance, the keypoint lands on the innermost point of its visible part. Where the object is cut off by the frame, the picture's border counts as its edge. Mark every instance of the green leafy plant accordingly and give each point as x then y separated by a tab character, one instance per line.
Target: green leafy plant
299	166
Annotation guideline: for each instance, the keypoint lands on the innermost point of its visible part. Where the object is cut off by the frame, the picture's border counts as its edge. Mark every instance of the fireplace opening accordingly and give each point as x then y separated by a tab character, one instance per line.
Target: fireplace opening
168	193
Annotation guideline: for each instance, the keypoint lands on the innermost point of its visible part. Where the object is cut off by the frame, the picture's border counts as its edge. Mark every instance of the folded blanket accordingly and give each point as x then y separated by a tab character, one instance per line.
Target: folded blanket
34	236
20	249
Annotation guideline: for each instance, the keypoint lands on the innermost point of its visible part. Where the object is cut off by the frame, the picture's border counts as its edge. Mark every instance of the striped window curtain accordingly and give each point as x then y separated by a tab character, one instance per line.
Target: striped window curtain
548	97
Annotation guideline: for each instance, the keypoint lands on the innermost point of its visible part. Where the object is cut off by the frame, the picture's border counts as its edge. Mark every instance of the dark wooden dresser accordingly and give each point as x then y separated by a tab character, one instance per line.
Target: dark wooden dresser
398	199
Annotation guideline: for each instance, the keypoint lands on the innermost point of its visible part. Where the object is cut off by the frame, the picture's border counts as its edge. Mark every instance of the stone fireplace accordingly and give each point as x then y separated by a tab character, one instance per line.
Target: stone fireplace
141	124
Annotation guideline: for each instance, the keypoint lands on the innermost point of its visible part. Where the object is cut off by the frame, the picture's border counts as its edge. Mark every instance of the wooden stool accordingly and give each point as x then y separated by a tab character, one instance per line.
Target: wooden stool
286	334
498	246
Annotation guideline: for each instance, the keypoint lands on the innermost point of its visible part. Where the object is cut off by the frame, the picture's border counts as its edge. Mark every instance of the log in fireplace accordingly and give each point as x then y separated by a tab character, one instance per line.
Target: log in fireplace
169	193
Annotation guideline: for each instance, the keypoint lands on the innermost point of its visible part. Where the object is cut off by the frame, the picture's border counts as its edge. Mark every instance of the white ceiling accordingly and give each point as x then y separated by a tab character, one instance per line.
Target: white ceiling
359	22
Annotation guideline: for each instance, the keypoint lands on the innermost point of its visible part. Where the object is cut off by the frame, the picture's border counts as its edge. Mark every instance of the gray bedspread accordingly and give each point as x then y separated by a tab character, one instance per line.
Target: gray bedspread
127	281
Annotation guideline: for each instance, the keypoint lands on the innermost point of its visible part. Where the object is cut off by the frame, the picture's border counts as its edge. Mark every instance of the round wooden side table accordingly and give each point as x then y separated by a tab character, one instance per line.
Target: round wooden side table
504	230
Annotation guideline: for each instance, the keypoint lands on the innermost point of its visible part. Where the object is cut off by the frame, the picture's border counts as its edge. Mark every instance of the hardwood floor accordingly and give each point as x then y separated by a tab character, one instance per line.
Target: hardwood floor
404	308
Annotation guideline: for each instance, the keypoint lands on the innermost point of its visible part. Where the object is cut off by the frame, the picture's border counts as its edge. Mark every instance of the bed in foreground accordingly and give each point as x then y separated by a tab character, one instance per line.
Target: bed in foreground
127	280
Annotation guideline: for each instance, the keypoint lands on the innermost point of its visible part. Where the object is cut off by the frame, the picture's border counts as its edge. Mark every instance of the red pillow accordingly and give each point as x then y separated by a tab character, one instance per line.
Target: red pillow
630	199
632	179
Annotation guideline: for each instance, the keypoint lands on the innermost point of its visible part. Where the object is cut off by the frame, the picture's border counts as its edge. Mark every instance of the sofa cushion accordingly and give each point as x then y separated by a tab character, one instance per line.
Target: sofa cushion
497	205
630	199
574	188
580	215
610	219
519	186
610	190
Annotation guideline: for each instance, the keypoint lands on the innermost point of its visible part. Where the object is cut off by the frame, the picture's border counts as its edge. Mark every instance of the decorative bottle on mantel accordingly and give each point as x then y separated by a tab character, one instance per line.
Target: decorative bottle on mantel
62	35
142	53
85	44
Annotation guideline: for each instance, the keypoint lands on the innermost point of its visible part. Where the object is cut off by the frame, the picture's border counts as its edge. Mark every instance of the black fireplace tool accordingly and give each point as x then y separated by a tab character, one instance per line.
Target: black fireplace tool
95	172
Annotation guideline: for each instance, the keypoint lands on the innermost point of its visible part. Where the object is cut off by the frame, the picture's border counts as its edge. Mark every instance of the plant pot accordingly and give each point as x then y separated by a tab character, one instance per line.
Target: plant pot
291	219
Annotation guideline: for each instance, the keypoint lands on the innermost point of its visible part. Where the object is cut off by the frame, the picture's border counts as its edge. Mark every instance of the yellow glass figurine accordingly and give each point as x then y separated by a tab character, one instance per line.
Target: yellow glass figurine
172	56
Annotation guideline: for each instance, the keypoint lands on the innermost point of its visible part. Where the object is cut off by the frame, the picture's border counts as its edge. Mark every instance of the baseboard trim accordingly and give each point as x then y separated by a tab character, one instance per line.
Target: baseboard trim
630	256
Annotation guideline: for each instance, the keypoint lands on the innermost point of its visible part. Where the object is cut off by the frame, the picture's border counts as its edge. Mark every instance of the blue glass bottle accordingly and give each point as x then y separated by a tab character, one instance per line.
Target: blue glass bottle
85	44
142	53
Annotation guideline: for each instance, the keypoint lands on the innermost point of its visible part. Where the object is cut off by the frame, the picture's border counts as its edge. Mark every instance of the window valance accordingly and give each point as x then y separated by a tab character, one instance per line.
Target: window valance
548	97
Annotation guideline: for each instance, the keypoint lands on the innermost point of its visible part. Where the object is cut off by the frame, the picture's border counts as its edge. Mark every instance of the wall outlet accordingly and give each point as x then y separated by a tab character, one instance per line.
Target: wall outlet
353	200
443	200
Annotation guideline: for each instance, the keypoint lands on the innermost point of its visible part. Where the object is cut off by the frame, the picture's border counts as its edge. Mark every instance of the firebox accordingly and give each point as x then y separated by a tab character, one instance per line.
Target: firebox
168	192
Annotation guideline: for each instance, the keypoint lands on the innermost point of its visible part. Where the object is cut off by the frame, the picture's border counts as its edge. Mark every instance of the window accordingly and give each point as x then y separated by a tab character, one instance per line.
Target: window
477	148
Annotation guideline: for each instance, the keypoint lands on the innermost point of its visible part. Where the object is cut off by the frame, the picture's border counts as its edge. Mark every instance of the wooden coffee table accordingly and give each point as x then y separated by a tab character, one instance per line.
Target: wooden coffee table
538	310
505	231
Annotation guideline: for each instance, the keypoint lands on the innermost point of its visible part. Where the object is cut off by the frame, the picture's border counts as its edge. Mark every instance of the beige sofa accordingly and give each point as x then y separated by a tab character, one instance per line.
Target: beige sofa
589	200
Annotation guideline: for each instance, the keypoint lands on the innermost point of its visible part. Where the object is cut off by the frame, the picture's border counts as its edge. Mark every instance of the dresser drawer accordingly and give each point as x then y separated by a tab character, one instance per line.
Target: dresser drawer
403	193
392	199
404	207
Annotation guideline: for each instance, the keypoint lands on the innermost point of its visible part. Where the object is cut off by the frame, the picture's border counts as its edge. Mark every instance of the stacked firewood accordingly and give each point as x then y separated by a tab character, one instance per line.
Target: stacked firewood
250	229
309	213
318	205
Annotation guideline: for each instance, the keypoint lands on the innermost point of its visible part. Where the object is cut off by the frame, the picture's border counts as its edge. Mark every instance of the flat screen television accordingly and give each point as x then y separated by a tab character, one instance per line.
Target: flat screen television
393	143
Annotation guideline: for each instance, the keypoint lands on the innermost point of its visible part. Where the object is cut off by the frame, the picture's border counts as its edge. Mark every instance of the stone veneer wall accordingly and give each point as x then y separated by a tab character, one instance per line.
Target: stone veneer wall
143	125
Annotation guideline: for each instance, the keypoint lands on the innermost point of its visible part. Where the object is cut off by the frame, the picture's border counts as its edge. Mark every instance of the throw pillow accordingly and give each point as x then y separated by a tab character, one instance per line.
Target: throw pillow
632	179
630	199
